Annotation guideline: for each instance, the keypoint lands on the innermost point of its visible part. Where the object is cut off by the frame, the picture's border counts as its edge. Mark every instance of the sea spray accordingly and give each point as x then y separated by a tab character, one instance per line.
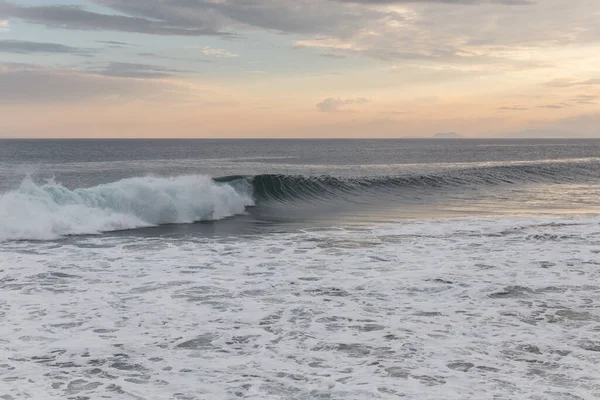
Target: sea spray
51	210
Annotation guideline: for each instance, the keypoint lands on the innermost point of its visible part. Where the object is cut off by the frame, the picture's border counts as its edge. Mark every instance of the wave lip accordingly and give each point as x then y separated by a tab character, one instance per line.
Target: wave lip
285	188
49	211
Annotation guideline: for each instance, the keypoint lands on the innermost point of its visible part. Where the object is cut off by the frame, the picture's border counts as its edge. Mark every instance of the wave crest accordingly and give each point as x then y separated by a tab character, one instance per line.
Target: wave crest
49	211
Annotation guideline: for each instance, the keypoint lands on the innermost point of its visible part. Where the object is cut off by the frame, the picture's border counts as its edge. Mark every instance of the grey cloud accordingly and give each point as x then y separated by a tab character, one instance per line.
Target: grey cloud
73	17
560	83
332	55
438	32
205	17
131	70
512	108
586	99
428	32
331	105
394	112
113	43
30	83
162	57
283	16
554	106
380	52
563	82
26	47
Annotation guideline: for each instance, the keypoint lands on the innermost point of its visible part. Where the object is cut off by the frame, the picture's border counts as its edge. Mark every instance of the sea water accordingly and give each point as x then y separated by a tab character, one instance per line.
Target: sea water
284	269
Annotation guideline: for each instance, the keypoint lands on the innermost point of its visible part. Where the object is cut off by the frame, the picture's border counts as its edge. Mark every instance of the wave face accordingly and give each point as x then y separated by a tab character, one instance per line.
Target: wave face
286	188
49	211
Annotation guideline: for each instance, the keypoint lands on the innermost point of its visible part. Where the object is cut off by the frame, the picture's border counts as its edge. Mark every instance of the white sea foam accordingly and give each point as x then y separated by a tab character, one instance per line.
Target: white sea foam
465	309
51	210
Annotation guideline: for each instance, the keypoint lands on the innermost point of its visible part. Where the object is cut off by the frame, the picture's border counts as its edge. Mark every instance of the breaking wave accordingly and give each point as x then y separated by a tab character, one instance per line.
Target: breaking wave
50	210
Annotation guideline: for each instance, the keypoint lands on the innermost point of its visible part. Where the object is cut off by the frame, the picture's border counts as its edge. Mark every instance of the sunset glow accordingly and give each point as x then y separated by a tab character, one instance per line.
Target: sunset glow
302	68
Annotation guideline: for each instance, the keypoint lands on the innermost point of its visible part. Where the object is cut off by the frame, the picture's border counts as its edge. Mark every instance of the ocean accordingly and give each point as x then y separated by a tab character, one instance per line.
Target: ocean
299	269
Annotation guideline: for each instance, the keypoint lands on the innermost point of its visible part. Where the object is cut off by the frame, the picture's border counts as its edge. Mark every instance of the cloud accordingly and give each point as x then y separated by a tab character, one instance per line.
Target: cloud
333	105
459	39
131	70
170	58
586	99
565	82
34	84
561	82
217	53
394	112
448	32
75	17
554	106
512	108
113	43
493	36
25	47
3	25
332	55
283	16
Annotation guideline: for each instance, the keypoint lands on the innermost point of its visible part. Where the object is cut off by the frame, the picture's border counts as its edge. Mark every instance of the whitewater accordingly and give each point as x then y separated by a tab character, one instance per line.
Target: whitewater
299	270
499	310
50	210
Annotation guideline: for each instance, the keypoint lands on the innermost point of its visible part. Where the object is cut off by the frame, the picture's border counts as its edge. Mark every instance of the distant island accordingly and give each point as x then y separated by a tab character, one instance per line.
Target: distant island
447	135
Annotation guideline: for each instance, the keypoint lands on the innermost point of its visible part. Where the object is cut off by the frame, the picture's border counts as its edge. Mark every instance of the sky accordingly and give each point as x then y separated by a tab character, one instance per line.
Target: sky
299	68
